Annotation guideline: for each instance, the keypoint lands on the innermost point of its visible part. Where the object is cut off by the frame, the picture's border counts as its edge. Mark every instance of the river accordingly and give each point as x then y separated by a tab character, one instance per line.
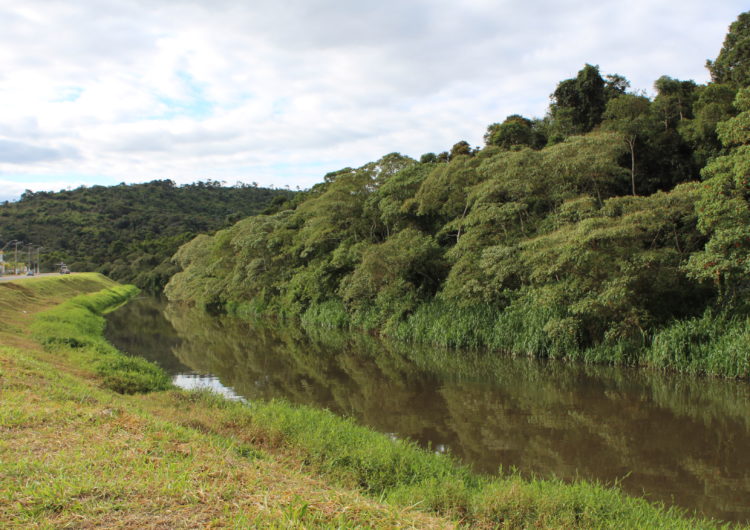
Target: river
677	439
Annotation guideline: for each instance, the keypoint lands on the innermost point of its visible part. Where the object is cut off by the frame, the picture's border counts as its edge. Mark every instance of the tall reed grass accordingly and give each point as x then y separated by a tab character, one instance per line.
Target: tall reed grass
713	344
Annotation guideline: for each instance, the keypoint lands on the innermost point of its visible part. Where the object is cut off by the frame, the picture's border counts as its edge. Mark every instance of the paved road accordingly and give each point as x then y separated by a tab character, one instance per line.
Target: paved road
9	278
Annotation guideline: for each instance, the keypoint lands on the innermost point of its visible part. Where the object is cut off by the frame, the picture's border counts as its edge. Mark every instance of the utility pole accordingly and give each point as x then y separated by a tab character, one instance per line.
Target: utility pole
16	264
37	259
28	262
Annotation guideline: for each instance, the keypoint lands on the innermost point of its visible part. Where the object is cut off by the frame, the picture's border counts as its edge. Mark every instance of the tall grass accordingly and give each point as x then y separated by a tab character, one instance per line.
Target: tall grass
76	327
713	344
331	314
519	329
446	325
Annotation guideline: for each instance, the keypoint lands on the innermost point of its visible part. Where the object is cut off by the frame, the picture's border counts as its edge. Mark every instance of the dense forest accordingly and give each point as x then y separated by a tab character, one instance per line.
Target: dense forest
128	232
616	228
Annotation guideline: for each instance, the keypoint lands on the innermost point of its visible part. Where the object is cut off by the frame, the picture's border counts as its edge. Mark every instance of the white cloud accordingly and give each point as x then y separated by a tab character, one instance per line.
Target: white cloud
282	92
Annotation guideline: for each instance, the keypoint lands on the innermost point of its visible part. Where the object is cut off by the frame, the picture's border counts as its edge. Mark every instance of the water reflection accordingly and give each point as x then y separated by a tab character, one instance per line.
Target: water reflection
205	382
672	438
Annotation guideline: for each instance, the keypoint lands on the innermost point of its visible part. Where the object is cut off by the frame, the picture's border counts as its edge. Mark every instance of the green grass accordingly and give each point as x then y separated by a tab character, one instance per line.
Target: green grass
73	455
77	327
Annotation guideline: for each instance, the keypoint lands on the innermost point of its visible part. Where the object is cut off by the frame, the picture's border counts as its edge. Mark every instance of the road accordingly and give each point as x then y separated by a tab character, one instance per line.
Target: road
9	278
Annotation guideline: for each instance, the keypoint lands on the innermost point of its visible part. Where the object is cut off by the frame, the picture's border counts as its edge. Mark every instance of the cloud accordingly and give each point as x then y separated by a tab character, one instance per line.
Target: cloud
22	153
281	92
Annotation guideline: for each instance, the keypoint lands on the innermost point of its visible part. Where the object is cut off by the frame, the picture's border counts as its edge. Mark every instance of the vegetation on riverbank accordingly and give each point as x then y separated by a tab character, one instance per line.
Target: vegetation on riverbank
584	235
193	459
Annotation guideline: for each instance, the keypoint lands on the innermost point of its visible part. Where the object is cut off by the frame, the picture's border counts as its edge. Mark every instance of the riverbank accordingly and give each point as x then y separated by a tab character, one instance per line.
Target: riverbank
711	344
76	453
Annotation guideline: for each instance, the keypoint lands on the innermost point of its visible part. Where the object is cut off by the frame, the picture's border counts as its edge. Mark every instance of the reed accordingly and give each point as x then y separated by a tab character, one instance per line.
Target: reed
330	314
713	344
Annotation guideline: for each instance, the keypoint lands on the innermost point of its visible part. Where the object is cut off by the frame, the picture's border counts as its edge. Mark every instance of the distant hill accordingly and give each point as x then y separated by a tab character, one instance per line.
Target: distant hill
128	231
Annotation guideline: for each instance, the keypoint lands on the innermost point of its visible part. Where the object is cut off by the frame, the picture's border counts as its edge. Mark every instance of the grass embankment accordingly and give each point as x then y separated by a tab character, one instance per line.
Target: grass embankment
75	453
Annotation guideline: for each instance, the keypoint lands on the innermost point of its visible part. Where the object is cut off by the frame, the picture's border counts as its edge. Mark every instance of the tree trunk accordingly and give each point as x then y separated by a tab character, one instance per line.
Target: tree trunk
631	144
458	235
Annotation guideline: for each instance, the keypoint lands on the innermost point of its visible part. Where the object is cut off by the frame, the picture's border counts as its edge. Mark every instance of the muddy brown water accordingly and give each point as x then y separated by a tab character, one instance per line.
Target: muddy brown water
675	439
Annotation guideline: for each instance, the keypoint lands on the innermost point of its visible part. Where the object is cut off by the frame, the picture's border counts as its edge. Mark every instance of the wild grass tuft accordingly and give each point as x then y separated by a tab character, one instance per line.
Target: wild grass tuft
520	329
713	344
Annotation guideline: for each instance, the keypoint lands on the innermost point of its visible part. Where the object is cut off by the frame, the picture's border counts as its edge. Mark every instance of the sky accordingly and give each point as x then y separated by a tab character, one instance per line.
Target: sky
280	92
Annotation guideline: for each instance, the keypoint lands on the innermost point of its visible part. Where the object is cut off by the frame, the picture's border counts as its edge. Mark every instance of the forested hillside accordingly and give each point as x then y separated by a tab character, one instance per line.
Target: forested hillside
616	228
127	232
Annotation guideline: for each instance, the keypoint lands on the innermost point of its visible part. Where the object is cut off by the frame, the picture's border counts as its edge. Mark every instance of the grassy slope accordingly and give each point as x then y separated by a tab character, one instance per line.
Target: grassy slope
72	452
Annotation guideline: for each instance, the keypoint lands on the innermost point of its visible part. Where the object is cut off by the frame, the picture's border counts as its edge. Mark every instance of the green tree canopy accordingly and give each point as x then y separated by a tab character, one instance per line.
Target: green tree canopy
578	103
732	66
724	209
513	132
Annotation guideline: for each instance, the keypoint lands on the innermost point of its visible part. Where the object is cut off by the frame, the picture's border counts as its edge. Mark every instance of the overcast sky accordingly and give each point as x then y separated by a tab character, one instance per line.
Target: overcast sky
280	92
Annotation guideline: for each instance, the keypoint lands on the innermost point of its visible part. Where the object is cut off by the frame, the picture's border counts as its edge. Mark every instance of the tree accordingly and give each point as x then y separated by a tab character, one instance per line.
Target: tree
578	104
130	232
395	201
724	210
514	131
713	104
343	210
461	148
674	102
615	85
442	195
585	164
630	116
732	66
406	267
